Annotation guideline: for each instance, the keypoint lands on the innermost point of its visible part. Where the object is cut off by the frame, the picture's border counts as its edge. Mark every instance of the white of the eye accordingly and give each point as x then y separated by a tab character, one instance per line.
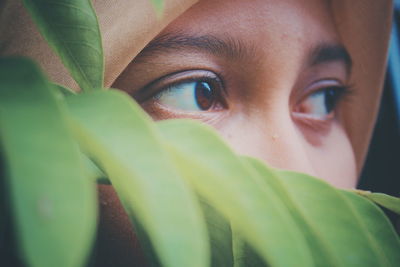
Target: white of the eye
181	96
314	105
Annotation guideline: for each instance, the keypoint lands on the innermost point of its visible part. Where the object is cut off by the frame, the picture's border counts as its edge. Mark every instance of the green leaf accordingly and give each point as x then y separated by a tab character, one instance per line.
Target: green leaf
71	29
244	255
117	134
377	227
93	172
317	242
64	91
220	235
386	201
338	222
220	177
54	204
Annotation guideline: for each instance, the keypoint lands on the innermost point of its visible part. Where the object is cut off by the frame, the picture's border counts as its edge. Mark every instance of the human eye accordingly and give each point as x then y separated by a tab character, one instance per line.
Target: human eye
191	96
320	104
189	91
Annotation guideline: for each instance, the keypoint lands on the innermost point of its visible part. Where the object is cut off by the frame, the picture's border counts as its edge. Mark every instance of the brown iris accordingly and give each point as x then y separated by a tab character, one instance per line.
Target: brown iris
205	95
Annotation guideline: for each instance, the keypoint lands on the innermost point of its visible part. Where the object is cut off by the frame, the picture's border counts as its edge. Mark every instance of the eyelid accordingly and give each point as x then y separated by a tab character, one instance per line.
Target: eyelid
320	85
170	80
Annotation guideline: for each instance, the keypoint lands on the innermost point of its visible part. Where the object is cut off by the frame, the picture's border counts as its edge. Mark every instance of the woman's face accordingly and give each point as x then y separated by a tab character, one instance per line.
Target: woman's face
269	75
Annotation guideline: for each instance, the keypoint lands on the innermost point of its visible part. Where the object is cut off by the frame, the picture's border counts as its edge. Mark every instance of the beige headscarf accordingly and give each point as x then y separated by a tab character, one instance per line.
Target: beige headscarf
128	25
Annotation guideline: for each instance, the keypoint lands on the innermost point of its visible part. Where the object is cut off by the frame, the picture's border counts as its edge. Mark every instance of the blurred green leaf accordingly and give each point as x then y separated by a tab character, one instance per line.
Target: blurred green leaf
386	201
353	233
93	172
315	236
54	204
220	235
376	227
63	90
220	177
122	139
71	29
244	255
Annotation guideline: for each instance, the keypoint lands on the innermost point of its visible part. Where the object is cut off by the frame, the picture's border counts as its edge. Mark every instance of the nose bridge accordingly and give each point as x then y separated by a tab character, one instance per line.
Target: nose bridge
273	139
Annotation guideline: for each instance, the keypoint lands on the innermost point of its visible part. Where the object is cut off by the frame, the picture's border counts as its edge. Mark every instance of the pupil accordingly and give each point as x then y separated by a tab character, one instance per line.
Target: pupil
204	95
330	99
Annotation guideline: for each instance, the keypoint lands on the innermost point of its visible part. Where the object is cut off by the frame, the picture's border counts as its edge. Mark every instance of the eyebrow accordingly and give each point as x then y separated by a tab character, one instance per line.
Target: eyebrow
326	52
234	48
228	47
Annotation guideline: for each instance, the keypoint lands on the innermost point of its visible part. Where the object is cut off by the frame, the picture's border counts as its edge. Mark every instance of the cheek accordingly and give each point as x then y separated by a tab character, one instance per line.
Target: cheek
282	144
334	160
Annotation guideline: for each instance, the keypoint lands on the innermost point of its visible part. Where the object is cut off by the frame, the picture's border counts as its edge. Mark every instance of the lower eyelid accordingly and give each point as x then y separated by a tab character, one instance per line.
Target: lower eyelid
313	130
315	118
